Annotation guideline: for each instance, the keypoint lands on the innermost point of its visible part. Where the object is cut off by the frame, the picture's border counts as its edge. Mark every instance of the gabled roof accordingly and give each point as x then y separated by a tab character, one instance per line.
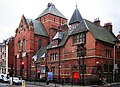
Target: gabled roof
82	27
101	33
98	32
62	42
76	17
39	28
41	53
52	10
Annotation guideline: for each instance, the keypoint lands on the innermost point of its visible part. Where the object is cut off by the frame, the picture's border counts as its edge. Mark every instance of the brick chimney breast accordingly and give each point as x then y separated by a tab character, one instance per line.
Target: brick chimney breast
108	26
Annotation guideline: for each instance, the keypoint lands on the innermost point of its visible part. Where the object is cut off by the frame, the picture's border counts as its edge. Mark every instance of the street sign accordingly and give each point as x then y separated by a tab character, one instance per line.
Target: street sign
115	66
50	75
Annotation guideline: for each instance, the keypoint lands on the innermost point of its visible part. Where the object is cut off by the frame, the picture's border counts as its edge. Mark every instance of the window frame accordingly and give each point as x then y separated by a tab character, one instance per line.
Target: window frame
19	45
79	38
24	44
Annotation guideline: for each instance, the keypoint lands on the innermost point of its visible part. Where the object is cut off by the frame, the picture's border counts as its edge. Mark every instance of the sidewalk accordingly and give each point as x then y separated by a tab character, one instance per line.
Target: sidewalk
43	84
59	85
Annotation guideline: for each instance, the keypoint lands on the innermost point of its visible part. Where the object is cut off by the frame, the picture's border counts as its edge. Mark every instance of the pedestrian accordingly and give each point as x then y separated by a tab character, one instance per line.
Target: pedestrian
104	81
100	81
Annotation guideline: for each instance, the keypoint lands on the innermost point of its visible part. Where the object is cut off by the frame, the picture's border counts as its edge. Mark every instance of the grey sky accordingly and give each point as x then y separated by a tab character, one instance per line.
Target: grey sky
11	12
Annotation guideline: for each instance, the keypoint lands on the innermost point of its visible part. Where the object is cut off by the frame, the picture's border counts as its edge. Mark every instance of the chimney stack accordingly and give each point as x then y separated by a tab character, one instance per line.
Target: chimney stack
108	26
97	21
118	36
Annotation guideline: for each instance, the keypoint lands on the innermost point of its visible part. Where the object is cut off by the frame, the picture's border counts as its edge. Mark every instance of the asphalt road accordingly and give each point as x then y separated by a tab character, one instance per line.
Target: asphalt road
52	85
4	85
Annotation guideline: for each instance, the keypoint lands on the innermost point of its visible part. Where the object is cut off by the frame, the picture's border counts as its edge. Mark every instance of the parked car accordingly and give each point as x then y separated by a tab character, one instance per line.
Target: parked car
5	79
2	76
16	81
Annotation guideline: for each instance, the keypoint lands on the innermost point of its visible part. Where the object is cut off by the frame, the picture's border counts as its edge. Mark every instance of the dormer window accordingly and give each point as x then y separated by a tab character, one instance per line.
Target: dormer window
55	43
57	38
79	38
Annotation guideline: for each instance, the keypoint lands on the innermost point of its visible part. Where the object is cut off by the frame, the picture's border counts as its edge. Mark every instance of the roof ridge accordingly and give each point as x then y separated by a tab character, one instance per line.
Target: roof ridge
86	24
52	10
100	33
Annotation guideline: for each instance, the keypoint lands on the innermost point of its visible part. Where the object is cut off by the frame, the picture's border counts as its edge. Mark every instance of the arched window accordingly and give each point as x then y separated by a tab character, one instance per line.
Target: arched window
39	44
19	45
24	45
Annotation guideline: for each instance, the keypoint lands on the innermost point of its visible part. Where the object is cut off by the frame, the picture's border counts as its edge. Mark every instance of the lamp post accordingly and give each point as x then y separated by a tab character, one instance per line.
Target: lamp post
22	67
59	71
81	52
115	67
46	70
59	67
36	71
99	70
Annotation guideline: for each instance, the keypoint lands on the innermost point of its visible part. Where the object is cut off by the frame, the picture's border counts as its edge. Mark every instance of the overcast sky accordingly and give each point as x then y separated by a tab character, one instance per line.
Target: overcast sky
11	12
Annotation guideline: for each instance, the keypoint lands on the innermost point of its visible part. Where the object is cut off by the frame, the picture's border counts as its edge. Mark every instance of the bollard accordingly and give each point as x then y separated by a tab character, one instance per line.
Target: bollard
47	82
23	83
11	83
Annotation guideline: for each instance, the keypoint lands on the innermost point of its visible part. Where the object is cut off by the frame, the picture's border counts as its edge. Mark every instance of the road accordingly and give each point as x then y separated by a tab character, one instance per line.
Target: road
52	85
27	85
4	85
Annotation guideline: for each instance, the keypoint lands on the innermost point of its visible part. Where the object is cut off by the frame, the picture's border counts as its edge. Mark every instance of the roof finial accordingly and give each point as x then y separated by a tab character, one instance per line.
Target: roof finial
76	4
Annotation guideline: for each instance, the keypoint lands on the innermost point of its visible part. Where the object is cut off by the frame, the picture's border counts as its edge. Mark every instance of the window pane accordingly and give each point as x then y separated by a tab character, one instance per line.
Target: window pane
110	68
105	68
78	39
18	45
75	39
24	44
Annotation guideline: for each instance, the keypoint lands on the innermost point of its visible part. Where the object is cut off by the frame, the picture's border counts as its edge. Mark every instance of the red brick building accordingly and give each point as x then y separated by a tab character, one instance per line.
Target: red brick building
80	44
31	35
6	56
65	49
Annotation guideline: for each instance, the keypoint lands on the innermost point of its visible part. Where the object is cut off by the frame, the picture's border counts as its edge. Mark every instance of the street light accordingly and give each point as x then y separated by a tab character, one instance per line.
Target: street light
115	64
59	72
81	52
99	70
59	67
22	67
